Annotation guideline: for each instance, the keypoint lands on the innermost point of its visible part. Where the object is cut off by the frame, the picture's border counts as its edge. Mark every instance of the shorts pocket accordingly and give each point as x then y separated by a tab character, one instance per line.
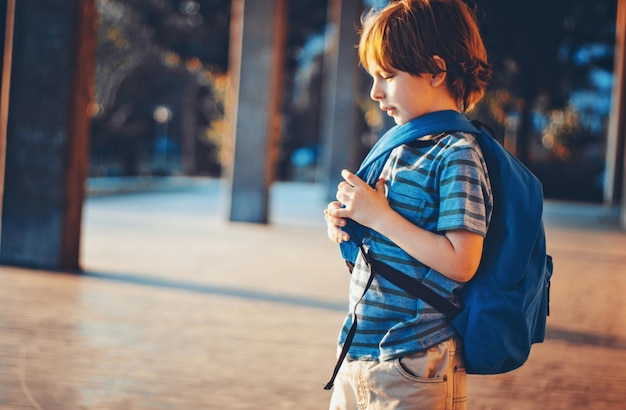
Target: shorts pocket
419	391
421	367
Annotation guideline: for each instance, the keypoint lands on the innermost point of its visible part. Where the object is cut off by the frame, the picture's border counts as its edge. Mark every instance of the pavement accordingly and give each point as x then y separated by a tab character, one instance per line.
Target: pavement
177	308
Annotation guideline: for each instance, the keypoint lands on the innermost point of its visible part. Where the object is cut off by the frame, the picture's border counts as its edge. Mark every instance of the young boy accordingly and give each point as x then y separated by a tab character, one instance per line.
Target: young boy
426	216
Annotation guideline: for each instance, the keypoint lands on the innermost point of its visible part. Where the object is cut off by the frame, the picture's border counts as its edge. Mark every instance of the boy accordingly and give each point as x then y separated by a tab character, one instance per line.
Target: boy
426	216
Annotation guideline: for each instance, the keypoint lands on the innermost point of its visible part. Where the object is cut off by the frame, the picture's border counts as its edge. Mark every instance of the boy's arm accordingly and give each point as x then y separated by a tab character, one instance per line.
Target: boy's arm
455	254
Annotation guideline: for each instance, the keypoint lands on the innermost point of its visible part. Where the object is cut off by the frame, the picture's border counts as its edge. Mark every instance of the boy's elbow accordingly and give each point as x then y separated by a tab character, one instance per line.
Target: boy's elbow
468	249
466	276
466	271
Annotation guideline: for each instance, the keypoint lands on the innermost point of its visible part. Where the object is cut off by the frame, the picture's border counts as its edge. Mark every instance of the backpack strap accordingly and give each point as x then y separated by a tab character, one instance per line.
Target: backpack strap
372	165
415	287
350	336
408	284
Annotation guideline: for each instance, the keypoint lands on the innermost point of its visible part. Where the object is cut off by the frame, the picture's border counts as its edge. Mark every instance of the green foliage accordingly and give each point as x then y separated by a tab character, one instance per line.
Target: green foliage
155	53
544	54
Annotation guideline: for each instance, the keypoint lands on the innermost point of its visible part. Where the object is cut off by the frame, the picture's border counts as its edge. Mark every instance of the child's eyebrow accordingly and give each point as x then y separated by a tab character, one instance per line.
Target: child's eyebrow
385	73
378	73
379	69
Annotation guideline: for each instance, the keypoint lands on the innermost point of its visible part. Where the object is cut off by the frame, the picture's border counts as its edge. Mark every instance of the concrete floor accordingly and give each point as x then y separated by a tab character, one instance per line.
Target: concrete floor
178	309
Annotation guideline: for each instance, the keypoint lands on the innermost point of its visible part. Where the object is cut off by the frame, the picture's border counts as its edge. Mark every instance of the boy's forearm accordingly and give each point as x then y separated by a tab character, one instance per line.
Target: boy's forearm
455	254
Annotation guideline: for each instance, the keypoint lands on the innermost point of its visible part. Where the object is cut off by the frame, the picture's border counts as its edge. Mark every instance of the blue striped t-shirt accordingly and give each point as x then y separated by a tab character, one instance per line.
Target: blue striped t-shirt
440	184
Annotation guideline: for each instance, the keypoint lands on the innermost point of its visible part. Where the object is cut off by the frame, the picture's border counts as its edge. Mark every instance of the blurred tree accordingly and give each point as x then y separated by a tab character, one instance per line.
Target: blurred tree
175	53
533	47
552	60
302	89
158	53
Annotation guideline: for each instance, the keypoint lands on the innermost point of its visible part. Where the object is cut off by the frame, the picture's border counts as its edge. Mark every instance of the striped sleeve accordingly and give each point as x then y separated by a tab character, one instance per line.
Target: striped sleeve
464	192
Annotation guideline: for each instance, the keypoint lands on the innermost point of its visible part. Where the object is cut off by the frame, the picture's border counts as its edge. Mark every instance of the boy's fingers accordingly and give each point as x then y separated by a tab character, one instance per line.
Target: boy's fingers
380	183
339	213
334	205
334	214
332	219
351	178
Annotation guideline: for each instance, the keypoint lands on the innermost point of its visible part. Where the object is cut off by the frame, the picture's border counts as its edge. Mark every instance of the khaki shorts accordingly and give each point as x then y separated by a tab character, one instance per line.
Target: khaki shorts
428	380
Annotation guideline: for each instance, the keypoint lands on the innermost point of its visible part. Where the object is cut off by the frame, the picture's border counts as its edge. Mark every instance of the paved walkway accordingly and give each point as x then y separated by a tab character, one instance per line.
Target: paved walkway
178	309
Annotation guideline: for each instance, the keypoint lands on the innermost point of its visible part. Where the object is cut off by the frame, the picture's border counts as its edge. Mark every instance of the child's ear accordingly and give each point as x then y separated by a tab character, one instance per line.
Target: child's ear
440	78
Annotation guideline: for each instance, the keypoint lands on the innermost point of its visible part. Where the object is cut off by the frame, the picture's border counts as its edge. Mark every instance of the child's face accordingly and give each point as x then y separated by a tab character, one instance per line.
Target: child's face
404	96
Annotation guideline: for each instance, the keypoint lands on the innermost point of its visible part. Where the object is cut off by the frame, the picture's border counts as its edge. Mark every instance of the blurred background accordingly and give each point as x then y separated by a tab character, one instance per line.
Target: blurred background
124	286
162	77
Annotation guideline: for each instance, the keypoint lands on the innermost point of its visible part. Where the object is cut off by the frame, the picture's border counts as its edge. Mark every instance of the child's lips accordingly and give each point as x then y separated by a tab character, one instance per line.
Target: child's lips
389	110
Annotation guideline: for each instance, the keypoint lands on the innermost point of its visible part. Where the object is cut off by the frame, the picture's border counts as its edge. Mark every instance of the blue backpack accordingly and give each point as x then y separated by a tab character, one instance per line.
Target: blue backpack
505	304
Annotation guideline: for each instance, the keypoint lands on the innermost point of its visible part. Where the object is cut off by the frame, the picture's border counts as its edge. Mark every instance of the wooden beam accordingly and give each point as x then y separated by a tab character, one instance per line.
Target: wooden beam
5	86
77	168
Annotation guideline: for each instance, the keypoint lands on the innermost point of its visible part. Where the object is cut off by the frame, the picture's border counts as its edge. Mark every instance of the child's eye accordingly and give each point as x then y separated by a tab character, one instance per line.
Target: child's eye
386	76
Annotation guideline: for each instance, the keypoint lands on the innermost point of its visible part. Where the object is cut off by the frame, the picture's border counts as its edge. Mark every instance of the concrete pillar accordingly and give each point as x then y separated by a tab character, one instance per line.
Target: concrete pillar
52	72
615	175
340	91
258	34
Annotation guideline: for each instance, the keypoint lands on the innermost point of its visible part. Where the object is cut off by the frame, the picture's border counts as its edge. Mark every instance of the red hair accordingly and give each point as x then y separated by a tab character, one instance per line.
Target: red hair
406	35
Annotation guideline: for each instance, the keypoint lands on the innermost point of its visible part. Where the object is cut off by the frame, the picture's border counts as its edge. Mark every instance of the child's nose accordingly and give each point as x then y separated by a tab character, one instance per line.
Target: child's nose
376	92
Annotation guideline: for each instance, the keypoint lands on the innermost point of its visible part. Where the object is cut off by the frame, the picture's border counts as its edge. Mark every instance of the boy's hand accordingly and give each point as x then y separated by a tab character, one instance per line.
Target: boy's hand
334	224
361	202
